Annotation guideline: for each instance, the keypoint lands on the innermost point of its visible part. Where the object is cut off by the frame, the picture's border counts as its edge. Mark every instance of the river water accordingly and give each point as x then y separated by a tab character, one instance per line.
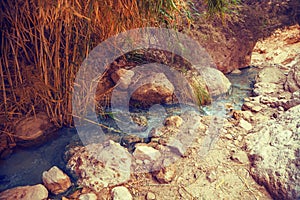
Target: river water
25	166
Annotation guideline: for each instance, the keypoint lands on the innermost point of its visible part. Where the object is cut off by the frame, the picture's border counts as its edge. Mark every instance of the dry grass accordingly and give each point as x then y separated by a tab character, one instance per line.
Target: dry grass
44	42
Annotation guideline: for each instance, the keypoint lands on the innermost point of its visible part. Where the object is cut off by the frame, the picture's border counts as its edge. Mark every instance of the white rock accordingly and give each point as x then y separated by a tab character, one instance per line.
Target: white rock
236	71
150	196
35	192
176	146
245	125
121	193
56	180
88	196
146	153
271	75
274	152
101	165
240	157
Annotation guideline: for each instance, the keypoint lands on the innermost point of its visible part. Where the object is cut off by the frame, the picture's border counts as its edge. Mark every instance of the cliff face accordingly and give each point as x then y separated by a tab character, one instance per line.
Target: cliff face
230	41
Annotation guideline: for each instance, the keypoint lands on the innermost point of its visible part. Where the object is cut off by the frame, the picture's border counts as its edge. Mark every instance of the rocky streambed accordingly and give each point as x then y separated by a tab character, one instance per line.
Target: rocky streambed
247	147
185	157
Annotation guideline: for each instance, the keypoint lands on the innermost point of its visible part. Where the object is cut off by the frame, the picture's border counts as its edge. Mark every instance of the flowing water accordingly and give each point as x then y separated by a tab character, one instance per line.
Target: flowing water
25	166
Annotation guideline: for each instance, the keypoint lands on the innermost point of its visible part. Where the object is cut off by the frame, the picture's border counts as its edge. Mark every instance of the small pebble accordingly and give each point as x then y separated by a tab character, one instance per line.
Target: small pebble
150	196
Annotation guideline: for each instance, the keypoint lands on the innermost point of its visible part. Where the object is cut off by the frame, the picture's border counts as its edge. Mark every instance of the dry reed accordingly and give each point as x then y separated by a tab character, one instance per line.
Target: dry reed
44	42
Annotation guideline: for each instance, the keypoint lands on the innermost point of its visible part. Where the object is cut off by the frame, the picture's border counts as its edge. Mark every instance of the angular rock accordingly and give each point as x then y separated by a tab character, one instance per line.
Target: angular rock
273	150
121	193
262	88
240	157
146	153
245	125
56	180
35	192
176	146
293	80
101	165
271	75
166	174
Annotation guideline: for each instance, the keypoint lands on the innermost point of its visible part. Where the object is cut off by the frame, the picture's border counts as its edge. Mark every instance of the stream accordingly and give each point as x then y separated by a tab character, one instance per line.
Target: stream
25	166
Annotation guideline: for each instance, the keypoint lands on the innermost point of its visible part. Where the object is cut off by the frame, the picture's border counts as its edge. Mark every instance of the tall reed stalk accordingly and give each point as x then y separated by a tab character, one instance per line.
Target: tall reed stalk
44	42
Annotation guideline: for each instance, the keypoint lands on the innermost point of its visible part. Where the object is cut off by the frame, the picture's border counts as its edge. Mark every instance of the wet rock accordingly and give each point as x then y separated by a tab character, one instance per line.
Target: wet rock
101	165
33	130
236	71
121	193
293	80
165	174
56	180
273	150
35	192
143	152
88	196
216	82
154	89
122	77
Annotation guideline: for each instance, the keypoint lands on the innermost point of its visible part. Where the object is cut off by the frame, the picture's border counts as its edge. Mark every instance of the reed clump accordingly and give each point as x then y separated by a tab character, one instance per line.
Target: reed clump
44	42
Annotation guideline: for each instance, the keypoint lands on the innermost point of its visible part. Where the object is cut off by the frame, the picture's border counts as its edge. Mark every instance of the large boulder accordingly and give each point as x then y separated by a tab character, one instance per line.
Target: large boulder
274	148
33	130
217	83
153	89
271	75
100	165
56	180
269	81
293	79
35	192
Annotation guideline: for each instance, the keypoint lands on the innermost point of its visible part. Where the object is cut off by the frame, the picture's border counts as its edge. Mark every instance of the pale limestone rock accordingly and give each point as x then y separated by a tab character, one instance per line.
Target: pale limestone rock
245	125
101	165
35	192
56	180
150	196
88	196
216	82
146	153
273	149
121	193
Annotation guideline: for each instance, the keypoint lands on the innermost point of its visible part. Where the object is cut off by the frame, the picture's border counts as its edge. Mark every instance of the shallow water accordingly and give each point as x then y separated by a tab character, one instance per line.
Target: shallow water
25	166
